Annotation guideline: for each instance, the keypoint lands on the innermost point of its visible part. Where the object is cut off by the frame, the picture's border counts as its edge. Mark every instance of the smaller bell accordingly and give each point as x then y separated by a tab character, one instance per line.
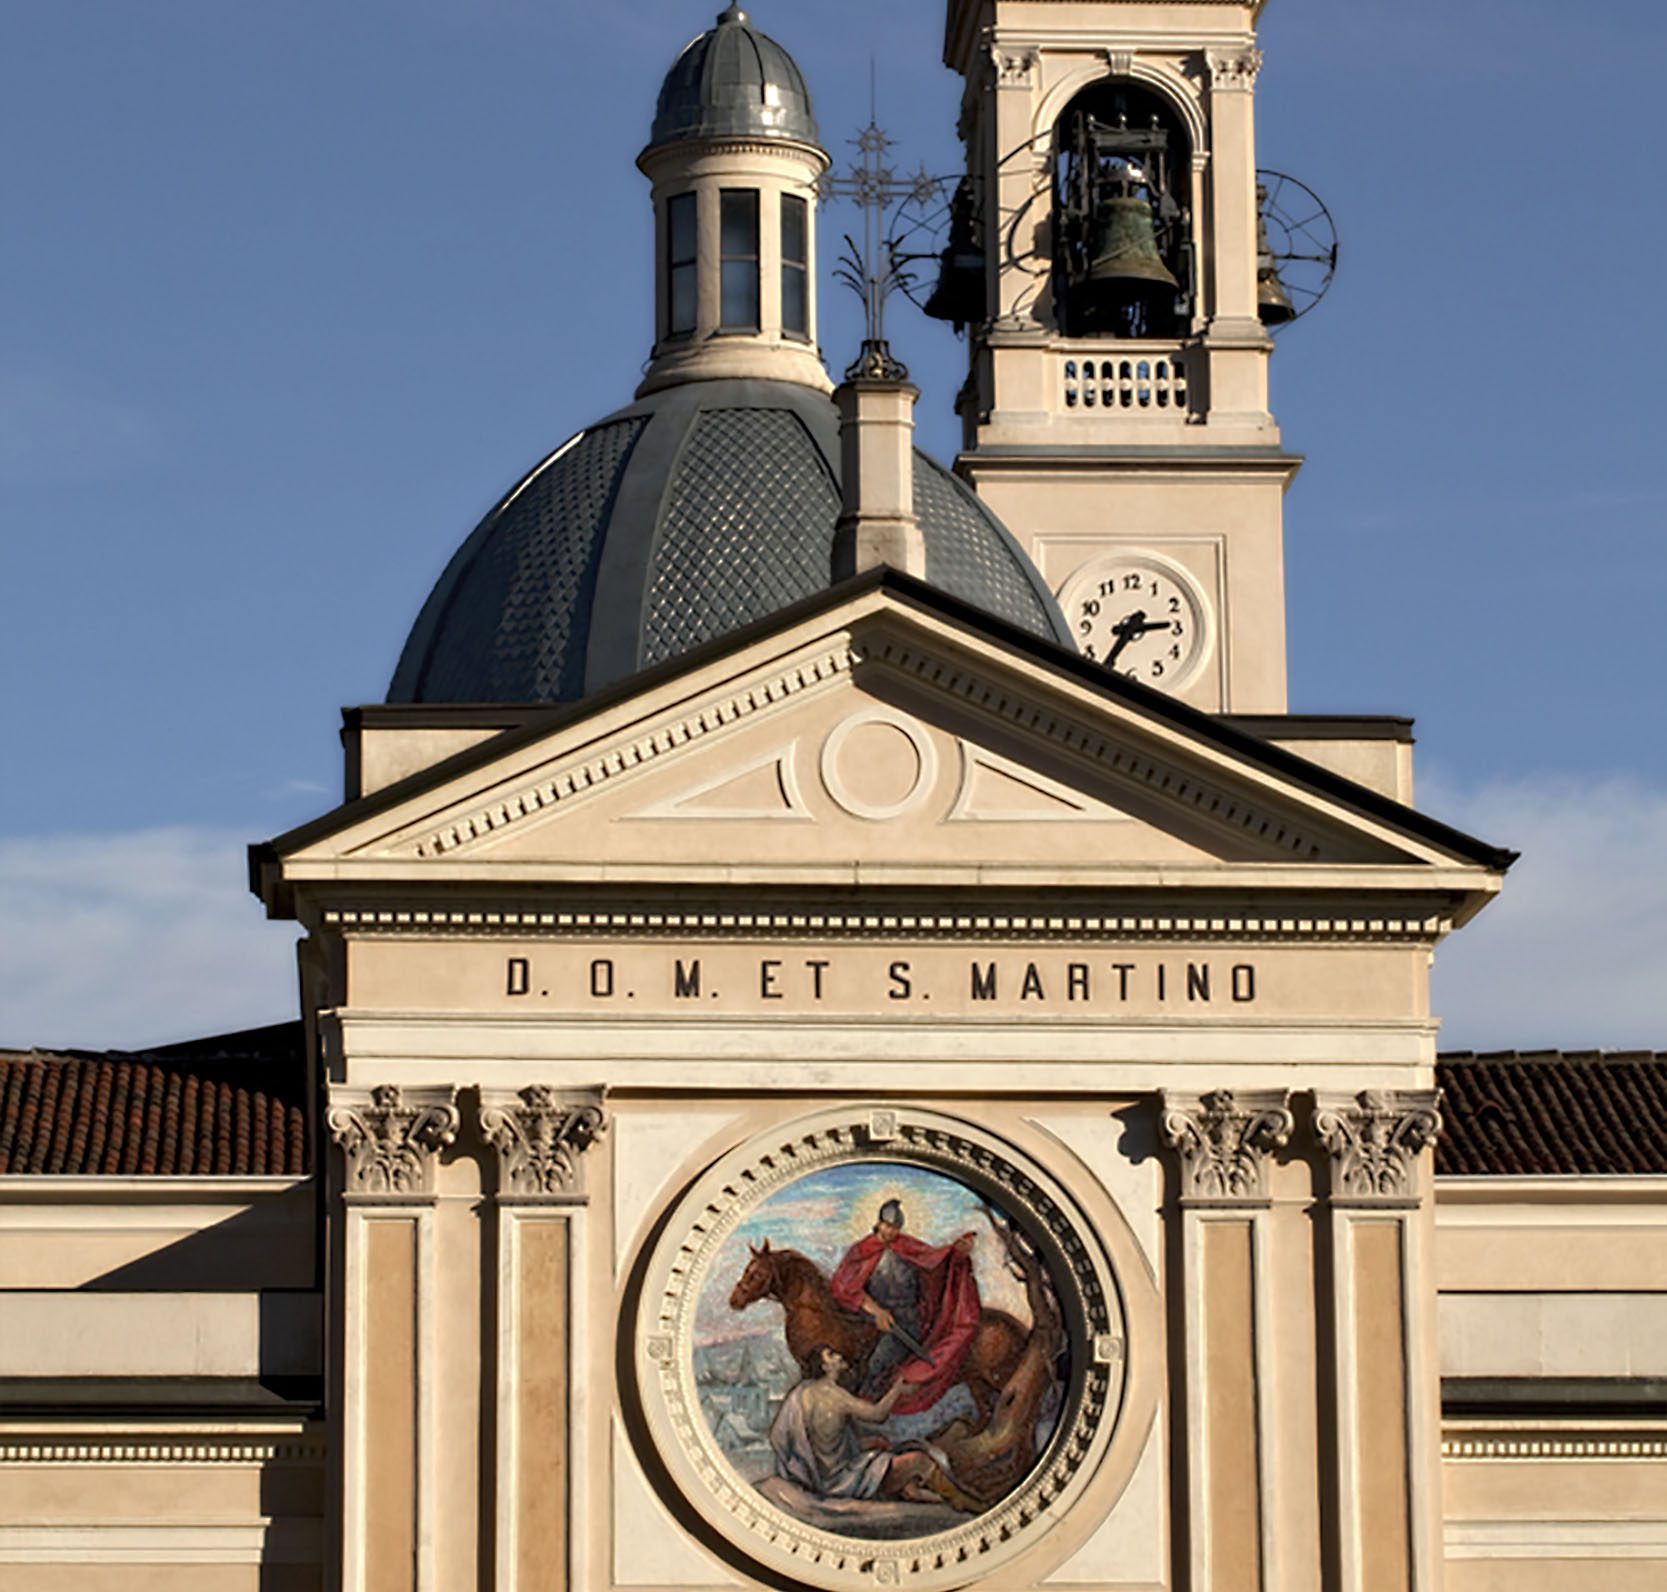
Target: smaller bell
1273	303
960	293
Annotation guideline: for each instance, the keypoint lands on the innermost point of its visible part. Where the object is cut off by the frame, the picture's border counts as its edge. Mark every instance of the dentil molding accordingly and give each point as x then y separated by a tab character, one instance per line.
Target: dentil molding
391	1136
1226	1141
540	1134
1374	1139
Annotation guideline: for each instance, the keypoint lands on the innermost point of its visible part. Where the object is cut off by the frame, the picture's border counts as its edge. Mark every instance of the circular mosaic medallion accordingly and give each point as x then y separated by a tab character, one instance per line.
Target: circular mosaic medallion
879	1349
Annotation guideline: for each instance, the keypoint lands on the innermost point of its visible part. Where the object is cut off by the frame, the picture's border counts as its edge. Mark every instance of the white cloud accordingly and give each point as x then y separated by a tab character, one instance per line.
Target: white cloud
1574	952
125	940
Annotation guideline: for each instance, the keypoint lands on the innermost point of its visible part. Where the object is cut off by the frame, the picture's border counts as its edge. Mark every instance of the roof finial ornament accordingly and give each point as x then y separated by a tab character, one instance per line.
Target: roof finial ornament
877	266
732	13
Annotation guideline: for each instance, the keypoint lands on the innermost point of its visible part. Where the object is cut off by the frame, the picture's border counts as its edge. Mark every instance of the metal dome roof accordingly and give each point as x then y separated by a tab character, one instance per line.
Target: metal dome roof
693	512
734	82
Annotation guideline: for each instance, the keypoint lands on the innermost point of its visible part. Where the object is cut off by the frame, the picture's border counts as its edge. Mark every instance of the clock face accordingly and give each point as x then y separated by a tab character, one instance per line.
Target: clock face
1141	616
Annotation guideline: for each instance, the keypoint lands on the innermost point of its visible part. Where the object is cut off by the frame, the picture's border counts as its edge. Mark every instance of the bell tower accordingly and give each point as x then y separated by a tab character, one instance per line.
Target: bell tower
1115	414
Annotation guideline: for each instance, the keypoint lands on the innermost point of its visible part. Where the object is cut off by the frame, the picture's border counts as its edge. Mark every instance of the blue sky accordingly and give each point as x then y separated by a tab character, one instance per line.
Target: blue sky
290	293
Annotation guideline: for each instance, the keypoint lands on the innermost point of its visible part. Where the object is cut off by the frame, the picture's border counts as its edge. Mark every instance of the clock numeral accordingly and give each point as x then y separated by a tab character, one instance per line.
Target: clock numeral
1176	629
1175	651
1174	605
1131	583
1089	653
1157	668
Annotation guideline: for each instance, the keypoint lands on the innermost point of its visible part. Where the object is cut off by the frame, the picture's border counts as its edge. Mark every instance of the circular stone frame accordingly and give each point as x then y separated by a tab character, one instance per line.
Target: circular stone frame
926	773
1090	1298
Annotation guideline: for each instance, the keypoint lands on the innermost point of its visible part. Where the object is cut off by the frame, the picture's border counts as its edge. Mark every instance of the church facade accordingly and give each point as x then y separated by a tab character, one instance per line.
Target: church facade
848	1038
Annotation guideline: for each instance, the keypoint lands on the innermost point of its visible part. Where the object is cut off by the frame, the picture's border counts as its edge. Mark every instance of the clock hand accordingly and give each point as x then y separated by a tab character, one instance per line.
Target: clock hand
1126	629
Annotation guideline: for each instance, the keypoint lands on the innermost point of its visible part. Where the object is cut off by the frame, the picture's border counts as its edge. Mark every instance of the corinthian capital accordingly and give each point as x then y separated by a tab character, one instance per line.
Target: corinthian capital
1375	1138
1226	1141
1234	69
539	1134
391	1136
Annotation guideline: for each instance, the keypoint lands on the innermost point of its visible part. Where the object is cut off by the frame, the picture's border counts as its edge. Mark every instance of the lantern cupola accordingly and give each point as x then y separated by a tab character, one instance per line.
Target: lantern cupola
734	157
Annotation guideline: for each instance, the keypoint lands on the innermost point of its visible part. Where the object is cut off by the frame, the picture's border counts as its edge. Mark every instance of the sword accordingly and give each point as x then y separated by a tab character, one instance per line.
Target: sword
915	1348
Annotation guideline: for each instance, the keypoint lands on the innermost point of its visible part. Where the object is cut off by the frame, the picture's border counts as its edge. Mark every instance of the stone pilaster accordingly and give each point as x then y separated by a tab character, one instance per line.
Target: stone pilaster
1225	1142
541	1136
1386	1402
383	1330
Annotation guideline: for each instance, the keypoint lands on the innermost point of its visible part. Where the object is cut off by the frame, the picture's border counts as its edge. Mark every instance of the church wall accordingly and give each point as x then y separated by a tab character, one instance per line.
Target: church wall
161	1504
1553	1309
124	1302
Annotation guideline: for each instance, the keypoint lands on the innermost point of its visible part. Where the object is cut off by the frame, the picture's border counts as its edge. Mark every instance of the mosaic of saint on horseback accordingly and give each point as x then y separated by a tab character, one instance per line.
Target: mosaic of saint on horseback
880	1350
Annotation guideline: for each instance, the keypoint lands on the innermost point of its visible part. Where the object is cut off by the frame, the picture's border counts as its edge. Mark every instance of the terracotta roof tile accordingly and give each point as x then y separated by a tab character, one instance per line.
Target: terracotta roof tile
1553	1113
236	1105
233	1106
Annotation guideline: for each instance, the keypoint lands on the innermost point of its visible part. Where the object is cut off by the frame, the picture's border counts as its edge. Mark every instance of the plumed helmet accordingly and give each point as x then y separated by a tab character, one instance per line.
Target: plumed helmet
891	1213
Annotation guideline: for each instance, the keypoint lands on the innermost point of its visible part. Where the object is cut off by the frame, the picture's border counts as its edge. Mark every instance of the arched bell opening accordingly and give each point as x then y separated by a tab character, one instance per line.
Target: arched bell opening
1124	256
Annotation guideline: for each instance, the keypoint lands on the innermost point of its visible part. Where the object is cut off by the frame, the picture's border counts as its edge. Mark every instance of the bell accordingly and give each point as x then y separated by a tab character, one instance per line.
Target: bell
1126	245
959	295
1273	303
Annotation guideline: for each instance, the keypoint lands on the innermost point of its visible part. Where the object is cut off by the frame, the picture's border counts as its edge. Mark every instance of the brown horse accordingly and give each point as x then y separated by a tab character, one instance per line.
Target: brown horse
796	1283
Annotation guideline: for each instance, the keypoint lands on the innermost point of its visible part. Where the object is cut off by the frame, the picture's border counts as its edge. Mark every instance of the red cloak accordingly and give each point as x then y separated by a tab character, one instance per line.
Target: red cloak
949	1311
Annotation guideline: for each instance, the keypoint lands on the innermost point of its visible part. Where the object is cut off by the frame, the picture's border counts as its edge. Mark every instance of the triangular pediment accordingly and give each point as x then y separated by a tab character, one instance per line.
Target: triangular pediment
874	740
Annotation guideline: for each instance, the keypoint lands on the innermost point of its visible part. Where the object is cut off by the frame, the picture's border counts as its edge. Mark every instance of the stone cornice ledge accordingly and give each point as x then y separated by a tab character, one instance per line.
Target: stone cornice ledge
1567	1189
92	1189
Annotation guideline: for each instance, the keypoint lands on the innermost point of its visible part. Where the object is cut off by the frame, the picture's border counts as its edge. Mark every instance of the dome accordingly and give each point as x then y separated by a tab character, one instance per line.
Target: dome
732	81
697	510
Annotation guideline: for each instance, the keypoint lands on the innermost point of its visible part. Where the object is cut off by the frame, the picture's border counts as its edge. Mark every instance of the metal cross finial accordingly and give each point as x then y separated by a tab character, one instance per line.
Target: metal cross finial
876	267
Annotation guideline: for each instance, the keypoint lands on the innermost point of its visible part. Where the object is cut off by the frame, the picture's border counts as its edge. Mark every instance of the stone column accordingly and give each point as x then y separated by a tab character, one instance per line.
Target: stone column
383	1331
1226	1141
1386	1387
538	1490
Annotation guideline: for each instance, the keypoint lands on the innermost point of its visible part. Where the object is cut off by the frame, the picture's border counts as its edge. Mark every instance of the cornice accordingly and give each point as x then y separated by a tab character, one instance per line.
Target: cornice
34	1188
1209	799
1516	1440
483	922
1581	1189
589	774
165	1448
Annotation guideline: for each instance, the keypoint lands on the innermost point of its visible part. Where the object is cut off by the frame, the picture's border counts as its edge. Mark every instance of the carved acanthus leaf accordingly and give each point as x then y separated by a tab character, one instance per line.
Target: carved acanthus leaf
1226	1141
1014	68
539	1134
1375	1138
391	1136
1235	69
